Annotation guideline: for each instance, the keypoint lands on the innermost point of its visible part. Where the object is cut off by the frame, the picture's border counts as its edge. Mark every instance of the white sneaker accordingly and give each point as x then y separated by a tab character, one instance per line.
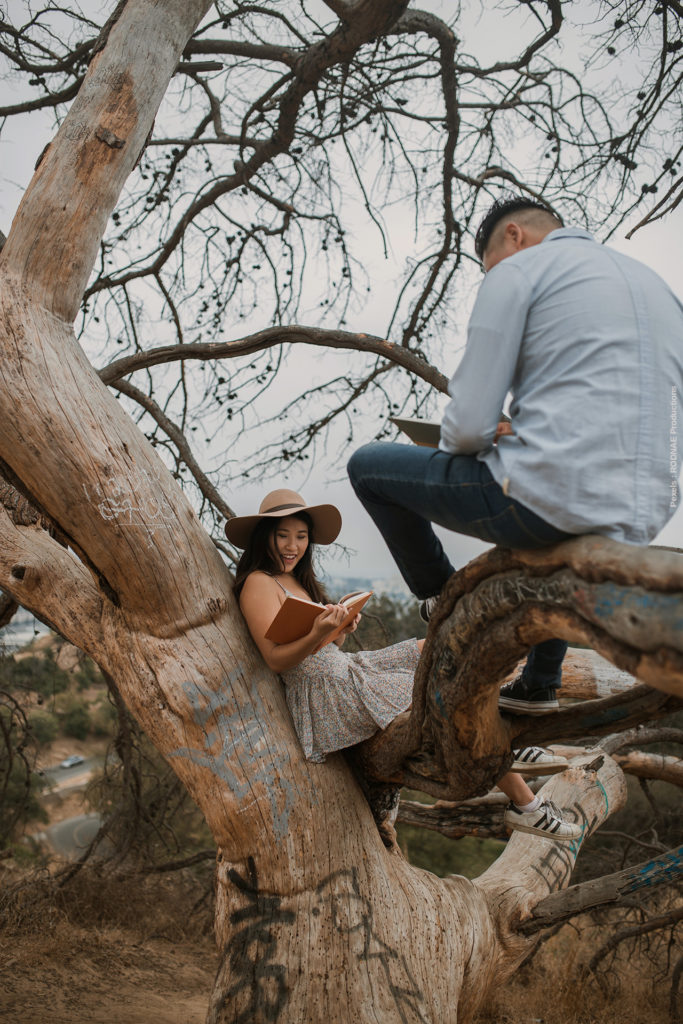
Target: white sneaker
547	820
537	761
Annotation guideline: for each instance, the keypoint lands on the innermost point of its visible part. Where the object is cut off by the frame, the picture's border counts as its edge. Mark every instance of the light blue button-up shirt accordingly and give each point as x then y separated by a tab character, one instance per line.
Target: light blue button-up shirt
590	345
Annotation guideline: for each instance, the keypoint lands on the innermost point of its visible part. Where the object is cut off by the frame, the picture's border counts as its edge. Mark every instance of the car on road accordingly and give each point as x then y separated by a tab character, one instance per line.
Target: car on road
72	761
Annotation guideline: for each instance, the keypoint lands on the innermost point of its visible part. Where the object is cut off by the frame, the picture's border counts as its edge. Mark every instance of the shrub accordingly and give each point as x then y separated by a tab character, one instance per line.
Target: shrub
18	783
88	675
76	721
42	675
44	726
103	719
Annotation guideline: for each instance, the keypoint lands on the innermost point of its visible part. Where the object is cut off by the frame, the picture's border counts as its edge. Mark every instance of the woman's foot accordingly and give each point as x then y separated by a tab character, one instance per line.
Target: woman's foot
545	820
537	761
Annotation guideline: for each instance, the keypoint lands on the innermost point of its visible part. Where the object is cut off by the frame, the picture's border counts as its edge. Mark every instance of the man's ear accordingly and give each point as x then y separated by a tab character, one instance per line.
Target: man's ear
515	235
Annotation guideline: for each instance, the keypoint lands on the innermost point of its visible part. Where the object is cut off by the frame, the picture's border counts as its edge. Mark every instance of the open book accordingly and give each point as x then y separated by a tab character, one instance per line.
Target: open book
425	432
296	616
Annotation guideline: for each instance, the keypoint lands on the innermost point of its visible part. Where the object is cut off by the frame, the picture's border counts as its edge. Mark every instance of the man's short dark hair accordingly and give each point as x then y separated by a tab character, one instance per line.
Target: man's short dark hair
501	208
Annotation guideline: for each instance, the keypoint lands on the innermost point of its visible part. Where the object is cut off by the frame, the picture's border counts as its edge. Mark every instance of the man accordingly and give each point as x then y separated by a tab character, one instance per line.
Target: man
590	345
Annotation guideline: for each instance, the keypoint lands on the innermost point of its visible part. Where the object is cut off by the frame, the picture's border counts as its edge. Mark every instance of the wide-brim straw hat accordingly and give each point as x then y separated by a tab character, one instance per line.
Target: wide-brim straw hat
279	504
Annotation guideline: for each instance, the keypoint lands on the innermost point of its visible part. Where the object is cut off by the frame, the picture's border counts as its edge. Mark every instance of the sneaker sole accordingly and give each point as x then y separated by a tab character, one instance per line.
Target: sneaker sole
524	768
530	830
528	707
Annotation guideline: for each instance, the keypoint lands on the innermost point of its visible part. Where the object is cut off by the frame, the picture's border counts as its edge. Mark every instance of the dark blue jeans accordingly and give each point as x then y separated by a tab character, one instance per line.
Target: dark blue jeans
406	488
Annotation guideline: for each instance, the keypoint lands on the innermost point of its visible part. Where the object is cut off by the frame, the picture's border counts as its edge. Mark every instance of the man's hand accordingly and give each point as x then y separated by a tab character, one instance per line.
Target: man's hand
504	429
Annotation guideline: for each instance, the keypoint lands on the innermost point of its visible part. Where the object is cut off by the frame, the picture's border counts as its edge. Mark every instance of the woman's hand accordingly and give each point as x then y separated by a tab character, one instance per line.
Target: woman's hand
329	619
351	628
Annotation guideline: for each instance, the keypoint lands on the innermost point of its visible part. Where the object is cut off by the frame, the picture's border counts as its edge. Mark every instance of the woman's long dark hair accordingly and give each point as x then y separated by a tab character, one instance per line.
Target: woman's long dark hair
258	557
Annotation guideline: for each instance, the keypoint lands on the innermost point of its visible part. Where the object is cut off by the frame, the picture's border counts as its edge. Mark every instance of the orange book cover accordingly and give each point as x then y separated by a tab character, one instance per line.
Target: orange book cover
296	616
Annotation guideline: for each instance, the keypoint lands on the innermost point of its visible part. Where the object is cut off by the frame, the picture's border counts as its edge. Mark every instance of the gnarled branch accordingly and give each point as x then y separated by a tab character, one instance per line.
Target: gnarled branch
625	602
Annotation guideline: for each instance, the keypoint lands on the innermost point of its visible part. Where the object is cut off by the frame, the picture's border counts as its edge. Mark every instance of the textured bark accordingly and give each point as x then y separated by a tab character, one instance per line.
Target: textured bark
456	820
8	609
316	919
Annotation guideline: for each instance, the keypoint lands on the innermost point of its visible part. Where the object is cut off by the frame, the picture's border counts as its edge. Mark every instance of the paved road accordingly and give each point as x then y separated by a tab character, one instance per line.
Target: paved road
80	774
71	837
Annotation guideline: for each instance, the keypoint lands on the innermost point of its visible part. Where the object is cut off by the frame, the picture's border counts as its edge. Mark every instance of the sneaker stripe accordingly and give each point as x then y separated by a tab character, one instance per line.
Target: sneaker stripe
529	754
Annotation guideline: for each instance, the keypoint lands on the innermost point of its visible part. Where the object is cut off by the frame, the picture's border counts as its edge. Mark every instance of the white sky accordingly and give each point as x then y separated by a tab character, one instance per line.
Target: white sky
658	246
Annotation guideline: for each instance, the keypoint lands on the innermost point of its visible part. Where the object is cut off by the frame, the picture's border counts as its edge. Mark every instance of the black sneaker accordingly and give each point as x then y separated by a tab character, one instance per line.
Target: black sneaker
518	700
427	607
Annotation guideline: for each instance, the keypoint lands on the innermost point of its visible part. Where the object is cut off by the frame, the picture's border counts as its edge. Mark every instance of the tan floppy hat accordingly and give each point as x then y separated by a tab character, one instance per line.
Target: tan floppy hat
279	504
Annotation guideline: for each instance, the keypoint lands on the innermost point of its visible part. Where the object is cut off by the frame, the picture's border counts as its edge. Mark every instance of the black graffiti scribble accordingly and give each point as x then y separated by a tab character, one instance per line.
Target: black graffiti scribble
556	866
251	951
408	1000
250	956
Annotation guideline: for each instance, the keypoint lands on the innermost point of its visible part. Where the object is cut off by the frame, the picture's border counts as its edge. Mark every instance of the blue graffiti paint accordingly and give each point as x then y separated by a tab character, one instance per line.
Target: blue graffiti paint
608	598
666	867
604	793
439	701
239	737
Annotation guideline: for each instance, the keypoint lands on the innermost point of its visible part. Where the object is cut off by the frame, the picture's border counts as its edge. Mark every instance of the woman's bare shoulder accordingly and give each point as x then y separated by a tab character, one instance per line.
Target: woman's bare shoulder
260	599
261	590
258	580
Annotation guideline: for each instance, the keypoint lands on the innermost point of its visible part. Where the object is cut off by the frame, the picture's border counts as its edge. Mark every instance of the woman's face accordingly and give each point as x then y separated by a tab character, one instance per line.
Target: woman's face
289	542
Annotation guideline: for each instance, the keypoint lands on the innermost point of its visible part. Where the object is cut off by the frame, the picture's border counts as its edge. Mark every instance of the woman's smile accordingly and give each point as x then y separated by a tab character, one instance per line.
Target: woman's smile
291	541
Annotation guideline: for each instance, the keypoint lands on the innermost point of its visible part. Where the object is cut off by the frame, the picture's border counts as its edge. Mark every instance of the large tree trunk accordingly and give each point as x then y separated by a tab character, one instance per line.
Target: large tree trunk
316	919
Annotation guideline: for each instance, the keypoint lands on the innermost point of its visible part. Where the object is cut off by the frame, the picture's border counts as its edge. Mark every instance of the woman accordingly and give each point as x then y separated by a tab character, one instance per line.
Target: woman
338	699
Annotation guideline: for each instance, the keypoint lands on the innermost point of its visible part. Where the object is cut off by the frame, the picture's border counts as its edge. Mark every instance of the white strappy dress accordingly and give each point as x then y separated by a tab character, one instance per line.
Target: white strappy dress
338	699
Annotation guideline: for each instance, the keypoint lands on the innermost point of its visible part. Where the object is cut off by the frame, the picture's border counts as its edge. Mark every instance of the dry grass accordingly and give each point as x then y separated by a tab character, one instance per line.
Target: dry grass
554	988
130	950
171	906
107	950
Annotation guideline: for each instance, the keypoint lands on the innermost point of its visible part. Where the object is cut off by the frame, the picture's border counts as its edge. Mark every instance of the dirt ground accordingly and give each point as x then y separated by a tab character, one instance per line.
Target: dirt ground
95	978
100	975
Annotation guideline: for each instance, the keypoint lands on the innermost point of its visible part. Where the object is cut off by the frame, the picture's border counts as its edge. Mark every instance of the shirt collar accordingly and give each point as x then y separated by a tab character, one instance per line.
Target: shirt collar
568	233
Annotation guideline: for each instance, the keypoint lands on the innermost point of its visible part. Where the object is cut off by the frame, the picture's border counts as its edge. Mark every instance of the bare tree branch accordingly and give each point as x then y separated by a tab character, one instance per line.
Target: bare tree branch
270	337
561	906
453	743
180	441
